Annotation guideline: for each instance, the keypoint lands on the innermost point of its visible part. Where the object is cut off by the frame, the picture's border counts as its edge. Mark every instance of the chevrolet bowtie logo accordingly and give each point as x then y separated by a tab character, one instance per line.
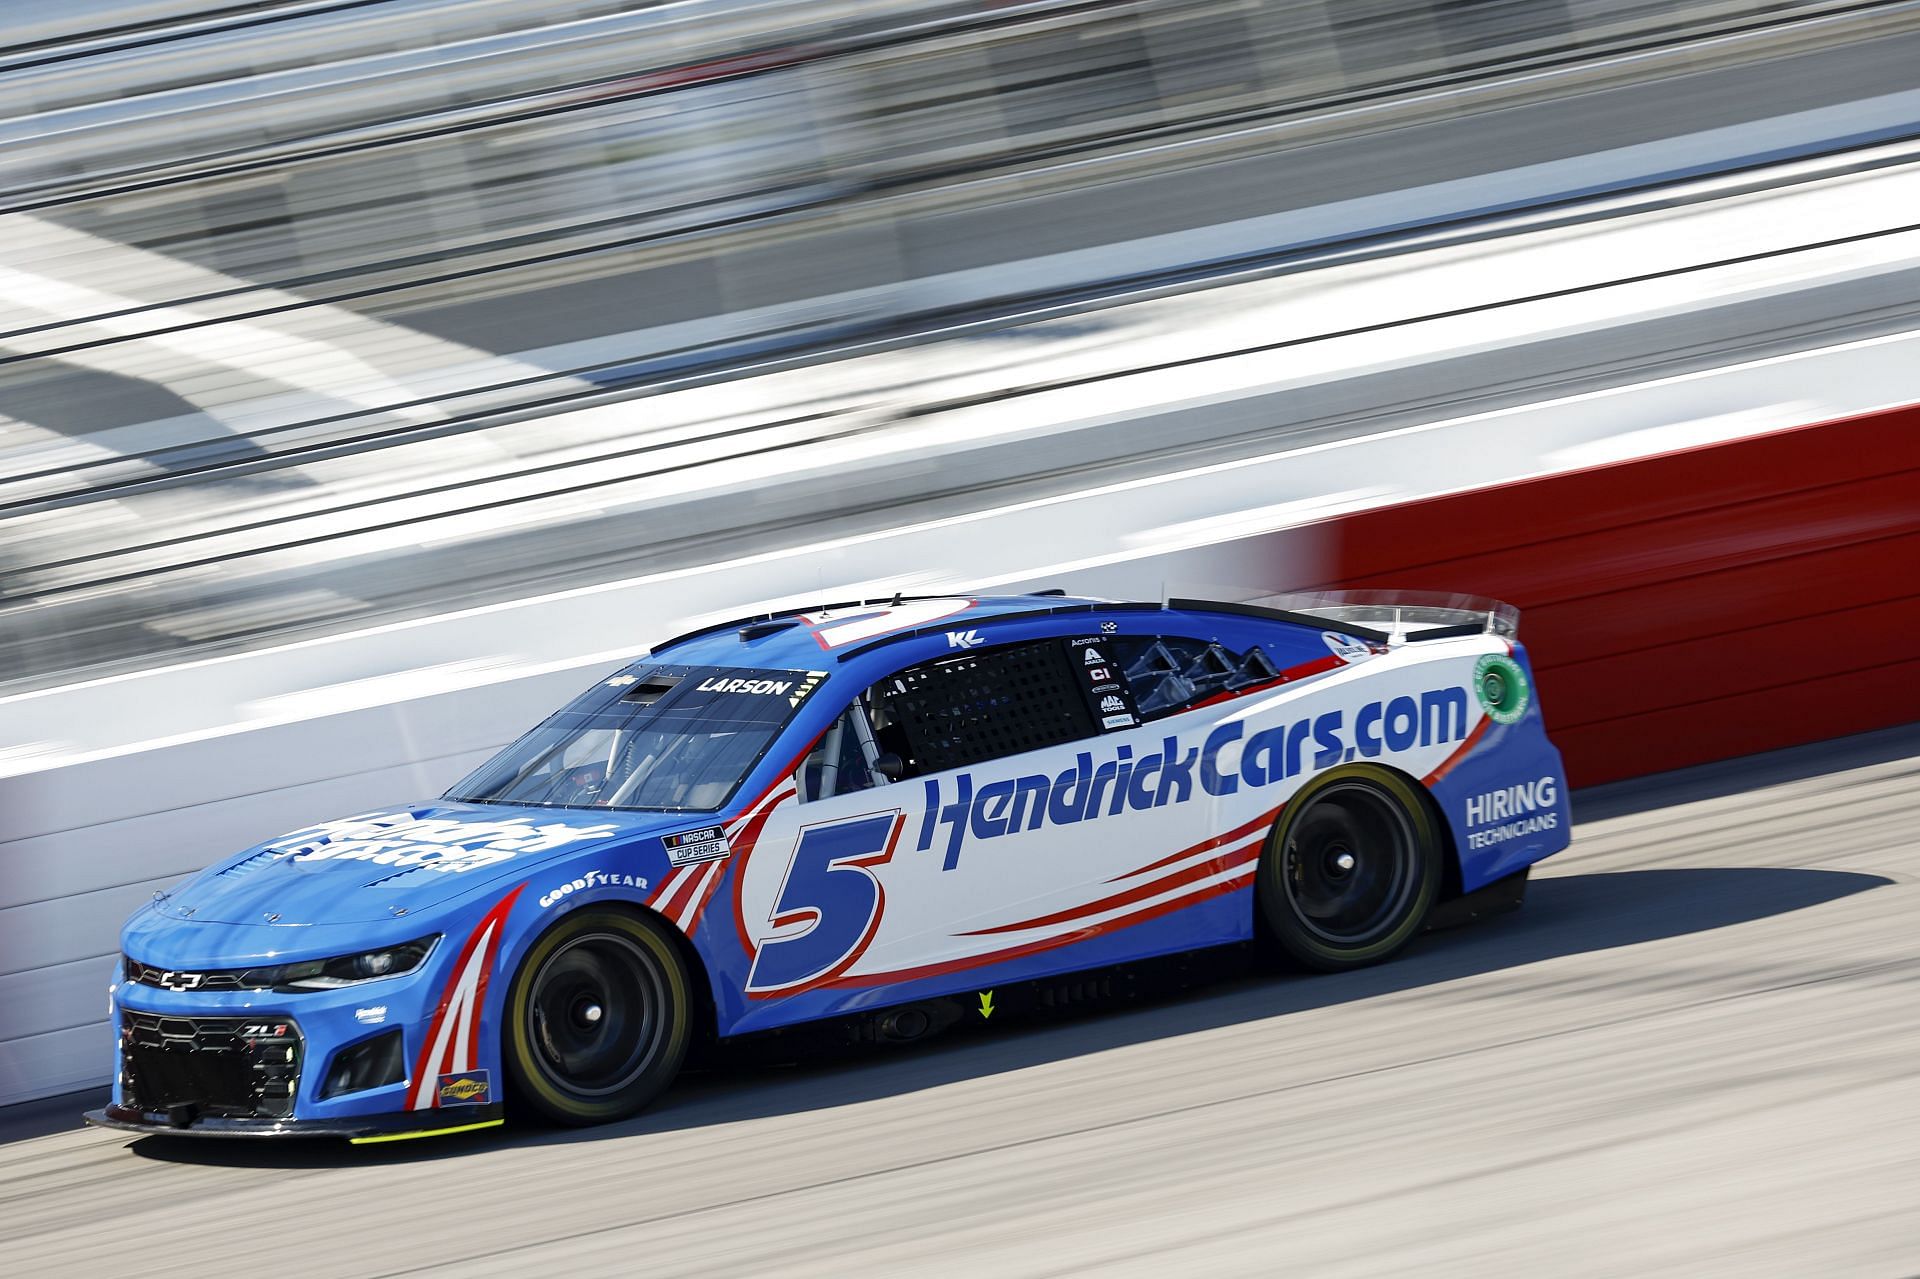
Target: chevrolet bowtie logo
181	981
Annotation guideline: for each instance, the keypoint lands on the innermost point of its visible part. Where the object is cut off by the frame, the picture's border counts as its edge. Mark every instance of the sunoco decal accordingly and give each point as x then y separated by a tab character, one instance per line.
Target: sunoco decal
468	1088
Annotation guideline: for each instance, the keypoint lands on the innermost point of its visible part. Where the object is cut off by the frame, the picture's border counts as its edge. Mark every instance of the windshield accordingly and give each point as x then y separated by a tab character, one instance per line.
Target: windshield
655	738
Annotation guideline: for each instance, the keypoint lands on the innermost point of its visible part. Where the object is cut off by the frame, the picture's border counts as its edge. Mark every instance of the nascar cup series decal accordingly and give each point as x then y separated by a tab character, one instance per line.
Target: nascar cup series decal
703	845
434	843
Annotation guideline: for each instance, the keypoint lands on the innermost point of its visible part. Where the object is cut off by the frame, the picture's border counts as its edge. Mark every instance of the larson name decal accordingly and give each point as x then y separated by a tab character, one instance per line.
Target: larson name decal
734	684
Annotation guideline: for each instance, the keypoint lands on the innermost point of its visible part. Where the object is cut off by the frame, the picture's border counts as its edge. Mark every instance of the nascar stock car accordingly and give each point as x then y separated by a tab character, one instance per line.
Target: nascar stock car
867	809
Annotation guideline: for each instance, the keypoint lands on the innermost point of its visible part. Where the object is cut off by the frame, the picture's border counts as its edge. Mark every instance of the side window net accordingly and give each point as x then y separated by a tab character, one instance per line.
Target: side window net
962	710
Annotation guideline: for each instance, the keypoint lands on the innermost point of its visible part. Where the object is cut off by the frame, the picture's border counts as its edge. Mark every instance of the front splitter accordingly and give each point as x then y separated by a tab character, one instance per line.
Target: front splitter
360	1130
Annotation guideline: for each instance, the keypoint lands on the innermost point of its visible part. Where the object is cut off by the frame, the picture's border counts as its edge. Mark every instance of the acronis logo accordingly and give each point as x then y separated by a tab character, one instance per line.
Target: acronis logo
959	809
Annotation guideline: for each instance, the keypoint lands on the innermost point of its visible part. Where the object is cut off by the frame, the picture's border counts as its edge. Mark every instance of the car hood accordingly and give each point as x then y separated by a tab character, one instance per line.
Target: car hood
397	862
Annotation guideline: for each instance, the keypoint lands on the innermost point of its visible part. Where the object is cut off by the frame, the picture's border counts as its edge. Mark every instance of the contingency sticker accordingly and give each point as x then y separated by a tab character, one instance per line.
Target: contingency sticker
1502	688
471	1088
704	845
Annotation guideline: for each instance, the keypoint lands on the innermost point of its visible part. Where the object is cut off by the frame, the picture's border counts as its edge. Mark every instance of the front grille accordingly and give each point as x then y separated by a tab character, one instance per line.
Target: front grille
216	979
234	1067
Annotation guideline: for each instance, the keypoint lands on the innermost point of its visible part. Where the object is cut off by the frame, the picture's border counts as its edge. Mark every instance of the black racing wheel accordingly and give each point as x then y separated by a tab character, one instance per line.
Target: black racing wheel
1351	869
598	1018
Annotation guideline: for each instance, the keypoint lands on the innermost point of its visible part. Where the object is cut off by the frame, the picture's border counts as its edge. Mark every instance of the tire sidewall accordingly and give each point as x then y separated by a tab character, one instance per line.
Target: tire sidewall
1274	907
527	1082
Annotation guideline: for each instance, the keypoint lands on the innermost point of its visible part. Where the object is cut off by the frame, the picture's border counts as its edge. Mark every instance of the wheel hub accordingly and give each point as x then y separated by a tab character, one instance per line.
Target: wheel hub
1349	864
596	1015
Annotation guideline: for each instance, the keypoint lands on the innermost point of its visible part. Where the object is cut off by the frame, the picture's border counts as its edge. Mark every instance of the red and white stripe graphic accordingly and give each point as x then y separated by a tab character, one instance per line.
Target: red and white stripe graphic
1222	864
1202	870
684	892
452	1045
683	895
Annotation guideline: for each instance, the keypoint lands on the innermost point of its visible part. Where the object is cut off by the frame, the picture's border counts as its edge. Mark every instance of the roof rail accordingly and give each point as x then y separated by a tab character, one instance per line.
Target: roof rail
1280	615
1024	615
760	619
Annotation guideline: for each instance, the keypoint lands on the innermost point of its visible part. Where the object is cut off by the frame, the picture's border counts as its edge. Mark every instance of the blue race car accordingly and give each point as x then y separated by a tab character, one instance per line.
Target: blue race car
858	809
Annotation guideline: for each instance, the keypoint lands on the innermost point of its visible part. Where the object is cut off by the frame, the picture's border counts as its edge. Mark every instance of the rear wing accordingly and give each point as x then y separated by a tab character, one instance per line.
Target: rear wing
1403	617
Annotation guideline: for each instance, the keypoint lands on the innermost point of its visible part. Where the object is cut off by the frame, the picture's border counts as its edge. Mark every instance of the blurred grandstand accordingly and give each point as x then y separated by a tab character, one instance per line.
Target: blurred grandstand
297	293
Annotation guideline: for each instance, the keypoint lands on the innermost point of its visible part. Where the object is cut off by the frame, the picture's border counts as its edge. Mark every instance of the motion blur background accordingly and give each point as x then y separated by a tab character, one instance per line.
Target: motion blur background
375	372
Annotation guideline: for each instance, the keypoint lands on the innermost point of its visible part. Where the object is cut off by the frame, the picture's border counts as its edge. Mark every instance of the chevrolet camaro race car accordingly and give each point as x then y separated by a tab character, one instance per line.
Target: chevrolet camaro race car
857	810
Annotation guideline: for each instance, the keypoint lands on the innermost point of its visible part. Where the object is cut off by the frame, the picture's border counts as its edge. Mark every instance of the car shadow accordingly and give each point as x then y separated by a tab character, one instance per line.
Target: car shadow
1564	915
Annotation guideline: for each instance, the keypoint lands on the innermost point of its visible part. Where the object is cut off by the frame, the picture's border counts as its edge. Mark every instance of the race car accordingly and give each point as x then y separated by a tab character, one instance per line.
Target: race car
882	809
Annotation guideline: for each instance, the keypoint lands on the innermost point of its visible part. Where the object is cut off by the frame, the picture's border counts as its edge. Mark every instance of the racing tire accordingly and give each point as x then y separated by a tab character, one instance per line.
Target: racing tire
1350	871
598	1018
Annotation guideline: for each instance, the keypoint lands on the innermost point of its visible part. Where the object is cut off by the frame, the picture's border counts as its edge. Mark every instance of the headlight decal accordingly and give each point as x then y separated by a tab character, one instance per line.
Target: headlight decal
352	970
305	975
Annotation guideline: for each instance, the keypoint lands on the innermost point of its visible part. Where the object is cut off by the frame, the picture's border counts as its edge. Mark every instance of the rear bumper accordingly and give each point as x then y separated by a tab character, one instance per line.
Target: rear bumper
361	1129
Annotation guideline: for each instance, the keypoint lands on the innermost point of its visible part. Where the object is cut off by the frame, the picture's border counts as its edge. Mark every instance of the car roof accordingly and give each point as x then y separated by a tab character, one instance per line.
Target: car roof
792	639
825	637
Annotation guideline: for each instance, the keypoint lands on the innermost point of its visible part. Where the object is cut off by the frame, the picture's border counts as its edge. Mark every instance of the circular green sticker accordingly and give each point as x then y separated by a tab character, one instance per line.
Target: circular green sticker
1502	688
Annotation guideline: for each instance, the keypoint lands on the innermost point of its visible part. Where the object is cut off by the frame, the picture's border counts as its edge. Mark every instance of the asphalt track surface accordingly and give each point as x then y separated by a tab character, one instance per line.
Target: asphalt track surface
1693	1052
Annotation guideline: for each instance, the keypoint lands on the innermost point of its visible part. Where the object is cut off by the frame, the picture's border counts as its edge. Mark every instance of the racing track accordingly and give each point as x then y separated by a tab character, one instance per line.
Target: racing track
1693	1052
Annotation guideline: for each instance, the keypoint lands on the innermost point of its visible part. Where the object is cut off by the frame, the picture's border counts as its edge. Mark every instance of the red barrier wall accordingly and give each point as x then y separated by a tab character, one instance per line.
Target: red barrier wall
1695	605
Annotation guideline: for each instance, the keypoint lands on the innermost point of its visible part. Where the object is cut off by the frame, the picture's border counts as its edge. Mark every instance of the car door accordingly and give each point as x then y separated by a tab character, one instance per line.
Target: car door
1021	817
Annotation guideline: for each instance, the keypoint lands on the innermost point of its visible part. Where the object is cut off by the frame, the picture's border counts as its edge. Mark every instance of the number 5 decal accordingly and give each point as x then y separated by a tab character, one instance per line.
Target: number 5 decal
829	883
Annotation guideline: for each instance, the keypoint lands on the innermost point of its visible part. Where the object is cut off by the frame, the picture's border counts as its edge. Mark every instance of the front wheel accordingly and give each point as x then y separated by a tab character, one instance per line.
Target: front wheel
598	1018
1351	869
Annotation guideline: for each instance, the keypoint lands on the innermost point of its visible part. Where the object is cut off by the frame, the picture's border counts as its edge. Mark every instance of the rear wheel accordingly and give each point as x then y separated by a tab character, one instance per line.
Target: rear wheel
598	1018
1351	869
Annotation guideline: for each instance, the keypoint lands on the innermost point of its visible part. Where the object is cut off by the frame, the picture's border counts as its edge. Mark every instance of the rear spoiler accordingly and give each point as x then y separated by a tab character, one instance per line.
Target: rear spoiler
1404	617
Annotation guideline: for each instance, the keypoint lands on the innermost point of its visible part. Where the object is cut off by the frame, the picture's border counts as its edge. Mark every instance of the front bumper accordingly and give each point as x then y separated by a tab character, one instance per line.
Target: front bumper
359	1129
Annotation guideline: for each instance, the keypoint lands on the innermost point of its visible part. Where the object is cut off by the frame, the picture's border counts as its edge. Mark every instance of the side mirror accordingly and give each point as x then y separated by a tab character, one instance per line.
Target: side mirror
890	766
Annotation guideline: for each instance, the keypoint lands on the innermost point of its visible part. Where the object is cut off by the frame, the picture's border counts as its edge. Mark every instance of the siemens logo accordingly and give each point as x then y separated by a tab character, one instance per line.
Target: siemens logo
1088	791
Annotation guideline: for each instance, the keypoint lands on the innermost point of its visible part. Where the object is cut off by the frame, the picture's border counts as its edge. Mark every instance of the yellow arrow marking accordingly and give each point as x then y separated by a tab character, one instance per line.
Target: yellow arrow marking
986	1003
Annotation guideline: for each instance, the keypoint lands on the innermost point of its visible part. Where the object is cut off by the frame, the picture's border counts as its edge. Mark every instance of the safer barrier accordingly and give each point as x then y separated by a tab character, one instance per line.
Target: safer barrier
1695	605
